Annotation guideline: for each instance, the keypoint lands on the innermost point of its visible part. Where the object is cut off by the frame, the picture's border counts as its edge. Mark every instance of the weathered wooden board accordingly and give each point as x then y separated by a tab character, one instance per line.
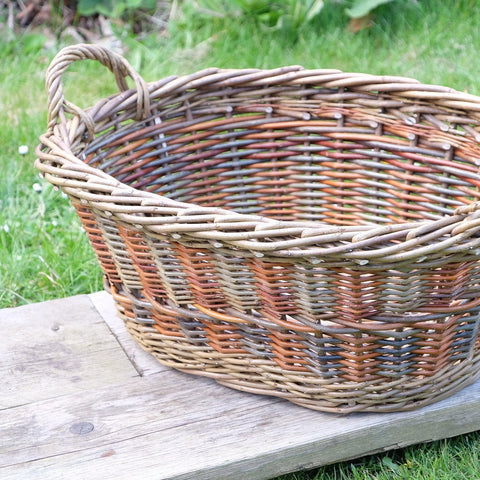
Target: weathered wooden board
55	348
162	428
170	425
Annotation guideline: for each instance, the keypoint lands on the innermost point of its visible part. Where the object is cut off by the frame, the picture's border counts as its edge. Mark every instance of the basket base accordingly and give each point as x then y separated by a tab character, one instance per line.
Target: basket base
264	376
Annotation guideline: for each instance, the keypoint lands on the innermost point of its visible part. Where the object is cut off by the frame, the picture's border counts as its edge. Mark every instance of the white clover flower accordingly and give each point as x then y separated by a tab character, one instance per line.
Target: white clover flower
6	228
54	223
37	187
23	149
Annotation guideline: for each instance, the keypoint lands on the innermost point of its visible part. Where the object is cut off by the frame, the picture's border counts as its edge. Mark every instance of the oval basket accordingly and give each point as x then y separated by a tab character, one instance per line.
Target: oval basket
310	234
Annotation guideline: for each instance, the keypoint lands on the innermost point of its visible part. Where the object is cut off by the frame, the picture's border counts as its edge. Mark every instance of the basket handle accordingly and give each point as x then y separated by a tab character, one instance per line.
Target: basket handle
58	105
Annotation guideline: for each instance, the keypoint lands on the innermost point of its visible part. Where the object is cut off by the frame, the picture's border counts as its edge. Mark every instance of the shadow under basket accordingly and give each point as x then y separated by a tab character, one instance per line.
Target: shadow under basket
309	234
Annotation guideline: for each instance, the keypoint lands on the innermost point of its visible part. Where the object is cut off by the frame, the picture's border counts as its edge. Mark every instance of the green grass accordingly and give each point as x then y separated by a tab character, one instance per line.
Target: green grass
456	458
45	254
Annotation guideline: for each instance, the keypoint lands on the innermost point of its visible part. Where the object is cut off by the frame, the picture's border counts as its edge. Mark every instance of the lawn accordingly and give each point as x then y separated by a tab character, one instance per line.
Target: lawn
44	253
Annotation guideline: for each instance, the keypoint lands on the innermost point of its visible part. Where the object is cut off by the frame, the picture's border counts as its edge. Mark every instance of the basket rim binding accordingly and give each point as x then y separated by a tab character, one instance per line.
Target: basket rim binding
56	159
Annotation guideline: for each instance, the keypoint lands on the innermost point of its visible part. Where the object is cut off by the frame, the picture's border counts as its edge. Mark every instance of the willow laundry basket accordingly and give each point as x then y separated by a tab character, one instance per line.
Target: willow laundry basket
310	234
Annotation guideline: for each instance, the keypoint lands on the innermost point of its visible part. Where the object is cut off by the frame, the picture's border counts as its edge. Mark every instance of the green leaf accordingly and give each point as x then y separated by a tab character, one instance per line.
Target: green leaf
360	8
131	4
390	464
86	8
314	9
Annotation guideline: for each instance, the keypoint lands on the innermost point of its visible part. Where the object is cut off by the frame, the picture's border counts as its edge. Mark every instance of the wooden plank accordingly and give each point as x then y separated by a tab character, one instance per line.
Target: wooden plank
145	363
122	416
55	348
170	425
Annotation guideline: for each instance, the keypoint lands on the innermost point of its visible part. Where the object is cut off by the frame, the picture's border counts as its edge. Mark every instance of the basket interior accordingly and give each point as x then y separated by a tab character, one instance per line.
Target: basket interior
320	157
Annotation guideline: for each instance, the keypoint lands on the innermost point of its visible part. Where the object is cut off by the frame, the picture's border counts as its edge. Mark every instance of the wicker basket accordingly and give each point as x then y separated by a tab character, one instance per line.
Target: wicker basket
313	235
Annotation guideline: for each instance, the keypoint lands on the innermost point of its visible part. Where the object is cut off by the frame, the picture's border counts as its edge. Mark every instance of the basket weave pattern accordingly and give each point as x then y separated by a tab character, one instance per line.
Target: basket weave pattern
310	234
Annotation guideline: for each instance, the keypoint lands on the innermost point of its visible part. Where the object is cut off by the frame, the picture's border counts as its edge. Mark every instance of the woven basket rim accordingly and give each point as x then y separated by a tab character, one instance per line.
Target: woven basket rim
308	233
254	232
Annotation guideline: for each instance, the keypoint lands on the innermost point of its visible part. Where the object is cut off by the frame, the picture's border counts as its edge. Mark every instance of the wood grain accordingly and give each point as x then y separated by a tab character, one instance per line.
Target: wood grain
170	425
56	348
